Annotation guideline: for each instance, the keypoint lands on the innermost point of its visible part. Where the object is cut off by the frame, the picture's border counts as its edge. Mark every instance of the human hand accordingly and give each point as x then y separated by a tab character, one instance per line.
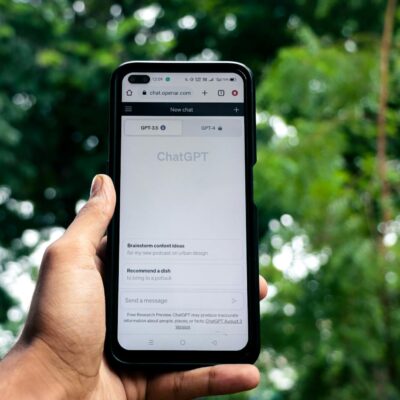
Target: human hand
60	352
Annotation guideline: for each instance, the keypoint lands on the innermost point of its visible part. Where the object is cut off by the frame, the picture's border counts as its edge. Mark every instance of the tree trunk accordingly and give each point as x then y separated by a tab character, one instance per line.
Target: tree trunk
387	377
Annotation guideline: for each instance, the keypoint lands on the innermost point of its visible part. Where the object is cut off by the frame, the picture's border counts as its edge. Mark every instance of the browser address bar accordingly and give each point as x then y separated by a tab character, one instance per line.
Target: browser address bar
164	92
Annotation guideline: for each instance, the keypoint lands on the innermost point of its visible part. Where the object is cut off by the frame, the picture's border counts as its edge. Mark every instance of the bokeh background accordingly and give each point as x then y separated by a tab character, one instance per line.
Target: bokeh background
327	181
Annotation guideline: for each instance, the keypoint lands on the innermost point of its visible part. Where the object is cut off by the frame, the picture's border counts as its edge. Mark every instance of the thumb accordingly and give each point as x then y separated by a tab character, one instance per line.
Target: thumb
92	220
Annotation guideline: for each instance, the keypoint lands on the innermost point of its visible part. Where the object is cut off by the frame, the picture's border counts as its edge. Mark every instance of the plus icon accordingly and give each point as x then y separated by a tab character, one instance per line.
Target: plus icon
236	109
204	92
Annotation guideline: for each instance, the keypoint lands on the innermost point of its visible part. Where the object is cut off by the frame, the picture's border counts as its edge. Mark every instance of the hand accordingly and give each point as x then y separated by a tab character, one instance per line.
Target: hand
60	352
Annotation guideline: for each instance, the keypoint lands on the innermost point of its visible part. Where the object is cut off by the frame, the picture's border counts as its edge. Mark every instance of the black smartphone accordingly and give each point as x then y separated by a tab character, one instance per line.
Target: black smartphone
182	281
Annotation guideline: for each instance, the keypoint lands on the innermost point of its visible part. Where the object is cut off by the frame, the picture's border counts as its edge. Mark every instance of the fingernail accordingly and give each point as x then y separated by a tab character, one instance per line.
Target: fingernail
97	183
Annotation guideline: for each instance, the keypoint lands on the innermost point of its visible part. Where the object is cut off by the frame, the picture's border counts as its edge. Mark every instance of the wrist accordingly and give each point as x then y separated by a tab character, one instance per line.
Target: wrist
30	372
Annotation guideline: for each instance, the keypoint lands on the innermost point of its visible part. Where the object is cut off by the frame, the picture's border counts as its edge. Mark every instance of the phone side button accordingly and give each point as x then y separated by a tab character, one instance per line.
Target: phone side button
254	144
254	148
256	228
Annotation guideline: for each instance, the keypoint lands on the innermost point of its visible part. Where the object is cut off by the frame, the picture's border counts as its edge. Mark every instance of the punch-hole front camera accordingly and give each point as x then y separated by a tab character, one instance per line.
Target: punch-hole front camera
139	79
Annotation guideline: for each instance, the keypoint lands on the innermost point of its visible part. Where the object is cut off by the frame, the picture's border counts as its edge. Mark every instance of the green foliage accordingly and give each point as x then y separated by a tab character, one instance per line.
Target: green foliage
331	325
319	168
6	302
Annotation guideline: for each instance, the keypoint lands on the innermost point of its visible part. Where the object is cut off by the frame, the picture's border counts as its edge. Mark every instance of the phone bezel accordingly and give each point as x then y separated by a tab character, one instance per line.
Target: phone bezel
182	358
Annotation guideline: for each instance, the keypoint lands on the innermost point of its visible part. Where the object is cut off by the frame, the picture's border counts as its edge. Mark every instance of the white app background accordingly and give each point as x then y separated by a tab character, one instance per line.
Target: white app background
182	267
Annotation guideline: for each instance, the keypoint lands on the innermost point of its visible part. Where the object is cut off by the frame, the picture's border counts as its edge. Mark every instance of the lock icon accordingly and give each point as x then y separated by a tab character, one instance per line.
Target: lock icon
144	92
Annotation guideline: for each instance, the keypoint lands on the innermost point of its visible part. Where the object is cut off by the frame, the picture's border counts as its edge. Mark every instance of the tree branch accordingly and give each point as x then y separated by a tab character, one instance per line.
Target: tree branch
386	43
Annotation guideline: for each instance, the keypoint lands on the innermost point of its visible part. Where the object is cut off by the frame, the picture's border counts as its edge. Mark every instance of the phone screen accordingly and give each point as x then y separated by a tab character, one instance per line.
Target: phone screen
182	251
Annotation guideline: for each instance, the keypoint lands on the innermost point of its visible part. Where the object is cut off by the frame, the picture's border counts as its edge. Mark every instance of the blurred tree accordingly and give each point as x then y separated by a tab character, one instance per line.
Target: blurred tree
335	317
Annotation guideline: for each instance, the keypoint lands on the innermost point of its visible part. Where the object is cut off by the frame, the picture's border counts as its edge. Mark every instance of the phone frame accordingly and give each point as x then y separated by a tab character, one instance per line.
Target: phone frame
181	359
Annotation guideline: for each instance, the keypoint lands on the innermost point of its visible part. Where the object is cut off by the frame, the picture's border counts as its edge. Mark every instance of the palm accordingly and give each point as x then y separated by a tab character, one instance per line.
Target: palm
112	386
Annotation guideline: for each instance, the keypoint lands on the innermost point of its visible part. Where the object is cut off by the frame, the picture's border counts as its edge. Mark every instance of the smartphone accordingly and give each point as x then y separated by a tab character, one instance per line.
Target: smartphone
182	277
